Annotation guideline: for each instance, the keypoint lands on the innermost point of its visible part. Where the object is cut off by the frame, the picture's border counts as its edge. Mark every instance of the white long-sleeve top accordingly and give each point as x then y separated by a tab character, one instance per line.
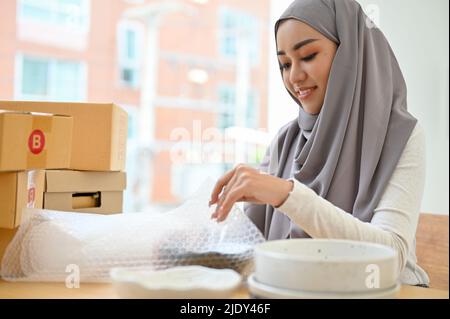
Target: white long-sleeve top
395	218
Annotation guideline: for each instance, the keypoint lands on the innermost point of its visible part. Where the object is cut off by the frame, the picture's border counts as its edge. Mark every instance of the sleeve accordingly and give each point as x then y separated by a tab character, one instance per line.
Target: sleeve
395	218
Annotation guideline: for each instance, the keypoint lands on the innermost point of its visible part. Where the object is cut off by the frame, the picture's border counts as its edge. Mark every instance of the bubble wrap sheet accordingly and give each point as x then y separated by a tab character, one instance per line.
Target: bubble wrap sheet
49	244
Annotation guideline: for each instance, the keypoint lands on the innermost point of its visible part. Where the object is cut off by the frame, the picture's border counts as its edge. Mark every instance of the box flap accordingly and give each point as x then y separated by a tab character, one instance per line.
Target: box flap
80	181
7	112
32	113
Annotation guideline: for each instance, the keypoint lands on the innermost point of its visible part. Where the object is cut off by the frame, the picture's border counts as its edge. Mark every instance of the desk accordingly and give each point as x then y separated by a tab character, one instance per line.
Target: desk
24	290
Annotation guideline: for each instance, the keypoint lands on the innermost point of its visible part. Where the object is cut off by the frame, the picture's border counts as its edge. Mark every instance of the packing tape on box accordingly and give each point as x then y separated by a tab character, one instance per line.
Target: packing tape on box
37	151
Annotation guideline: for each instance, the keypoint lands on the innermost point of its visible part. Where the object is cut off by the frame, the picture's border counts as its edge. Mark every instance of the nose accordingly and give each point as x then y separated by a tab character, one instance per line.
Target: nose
297	74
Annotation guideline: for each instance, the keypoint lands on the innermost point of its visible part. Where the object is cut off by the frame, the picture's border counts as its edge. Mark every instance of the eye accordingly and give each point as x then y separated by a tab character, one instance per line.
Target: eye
284	66
309	57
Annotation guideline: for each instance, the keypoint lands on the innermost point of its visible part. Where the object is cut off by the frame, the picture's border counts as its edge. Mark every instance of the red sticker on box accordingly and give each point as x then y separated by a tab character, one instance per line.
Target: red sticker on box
36	142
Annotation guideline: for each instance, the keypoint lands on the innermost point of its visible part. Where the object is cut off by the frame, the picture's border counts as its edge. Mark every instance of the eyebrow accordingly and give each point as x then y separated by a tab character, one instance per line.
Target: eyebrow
298	45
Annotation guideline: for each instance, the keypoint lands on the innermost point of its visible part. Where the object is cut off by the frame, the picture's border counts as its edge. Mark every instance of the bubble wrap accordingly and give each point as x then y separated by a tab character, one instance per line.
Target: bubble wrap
49	244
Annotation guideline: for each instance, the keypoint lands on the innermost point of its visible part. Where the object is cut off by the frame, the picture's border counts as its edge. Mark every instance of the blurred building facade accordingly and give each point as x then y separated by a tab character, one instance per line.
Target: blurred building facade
209	70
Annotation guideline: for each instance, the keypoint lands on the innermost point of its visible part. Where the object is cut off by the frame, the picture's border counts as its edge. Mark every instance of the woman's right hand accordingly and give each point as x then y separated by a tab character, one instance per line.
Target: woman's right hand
245	183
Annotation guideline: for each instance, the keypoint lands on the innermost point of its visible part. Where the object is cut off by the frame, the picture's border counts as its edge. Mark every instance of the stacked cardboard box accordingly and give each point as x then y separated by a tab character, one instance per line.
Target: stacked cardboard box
61	156
6	235
29	141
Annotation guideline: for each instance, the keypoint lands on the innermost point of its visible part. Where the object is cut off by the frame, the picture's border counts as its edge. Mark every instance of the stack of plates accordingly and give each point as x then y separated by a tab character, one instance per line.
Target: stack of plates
322	268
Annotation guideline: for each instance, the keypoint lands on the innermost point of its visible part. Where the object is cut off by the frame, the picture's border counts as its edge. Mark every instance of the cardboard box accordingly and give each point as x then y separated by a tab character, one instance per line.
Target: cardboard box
6	236
99	132
31	141
90	192
19	190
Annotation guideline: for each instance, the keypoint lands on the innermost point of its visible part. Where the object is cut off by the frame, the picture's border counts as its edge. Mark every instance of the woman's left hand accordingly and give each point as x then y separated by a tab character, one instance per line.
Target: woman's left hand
244	183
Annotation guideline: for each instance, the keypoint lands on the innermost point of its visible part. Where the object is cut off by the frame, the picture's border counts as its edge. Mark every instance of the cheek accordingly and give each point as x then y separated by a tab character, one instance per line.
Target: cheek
317	71
325	68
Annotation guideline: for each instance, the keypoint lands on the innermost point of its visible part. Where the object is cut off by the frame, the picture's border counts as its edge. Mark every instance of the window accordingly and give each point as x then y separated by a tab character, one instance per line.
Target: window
251	112
35	77
68	13
227	107
130	45
51	79
238	26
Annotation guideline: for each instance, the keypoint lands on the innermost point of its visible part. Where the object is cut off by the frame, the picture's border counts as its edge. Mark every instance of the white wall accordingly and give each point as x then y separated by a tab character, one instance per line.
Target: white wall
418	32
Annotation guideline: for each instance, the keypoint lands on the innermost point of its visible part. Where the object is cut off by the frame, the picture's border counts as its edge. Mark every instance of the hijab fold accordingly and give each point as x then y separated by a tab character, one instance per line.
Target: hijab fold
348	152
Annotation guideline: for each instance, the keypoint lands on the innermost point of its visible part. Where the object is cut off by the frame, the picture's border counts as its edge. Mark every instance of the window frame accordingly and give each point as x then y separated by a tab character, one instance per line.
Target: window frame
52	65
123	62
224	35
252	93
84	16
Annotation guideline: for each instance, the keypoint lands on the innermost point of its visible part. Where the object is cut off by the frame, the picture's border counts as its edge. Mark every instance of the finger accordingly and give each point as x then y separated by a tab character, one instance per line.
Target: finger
229	187
232	197
245	199
235	180
219	185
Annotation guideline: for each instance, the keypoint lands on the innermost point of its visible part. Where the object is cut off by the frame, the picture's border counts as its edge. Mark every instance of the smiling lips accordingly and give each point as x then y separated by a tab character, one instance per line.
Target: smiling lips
305	92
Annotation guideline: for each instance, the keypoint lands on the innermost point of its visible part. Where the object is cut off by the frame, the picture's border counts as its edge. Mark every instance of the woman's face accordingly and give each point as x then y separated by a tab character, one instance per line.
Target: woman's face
305	57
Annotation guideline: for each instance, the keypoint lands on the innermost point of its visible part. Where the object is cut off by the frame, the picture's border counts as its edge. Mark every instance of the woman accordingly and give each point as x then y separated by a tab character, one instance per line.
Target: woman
351	166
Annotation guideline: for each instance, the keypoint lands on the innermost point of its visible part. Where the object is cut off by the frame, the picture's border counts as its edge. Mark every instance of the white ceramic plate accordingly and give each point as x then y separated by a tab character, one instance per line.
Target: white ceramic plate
325	265
260	290
192	282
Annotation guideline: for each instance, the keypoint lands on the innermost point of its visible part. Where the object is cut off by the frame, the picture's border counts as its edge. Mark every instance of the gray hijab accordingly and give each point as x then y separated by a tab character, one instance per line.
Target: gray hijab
348	152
